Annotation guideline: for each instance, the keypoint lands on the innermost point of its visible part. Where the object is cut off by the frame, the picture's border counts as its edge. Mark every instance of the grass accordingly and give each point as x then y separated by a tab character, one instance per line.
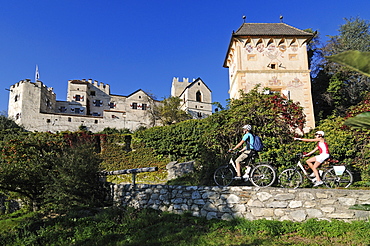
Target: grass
115	226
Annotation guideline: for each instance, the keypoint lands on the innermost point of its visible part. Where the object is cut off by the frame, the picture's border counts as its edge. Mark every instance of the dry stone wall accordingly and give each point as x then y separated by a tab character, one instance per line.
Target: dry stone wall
247	202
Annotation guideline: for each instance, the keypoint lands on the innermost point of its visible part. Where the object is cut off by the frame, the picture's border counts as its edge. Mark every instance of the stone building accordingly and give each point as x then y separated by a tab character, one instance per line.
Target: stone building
90	105
273	55
196	96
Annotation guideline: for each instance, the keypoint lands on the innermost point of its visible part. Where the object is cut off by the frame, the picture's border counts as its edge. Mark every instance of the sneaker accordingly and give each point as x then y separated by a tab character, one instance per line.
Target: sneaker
246	176
318	183
237	178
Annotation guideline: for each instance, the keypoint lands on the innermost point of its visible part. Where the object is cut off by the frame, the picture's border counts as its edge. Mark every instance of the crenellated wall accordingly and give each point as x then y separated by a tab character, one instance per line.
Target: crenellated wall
246	202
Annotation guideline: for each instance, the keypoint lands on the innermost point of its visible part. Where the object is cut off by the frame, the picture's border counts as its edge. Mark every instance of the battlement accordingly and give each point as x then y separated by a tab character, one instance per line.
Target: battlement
36	84
95	83
185	80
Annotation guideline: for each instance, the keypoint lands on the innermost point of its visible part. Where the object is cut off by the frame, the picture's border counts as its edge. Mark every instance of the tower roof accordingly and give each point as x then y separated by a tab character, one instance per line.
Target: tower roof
269	29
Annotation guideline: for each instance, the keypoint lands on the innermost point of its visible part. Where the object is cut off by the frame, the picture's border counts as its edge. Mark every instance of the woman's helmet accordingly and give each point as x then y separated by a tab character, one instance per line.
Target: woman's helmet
247	127
320	133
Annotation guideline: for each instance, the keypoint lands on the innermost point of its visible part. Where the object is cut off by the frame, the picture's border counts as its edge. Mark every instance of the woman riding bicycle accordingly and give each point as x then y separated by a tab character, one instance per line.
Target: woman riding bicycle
315	162
247	151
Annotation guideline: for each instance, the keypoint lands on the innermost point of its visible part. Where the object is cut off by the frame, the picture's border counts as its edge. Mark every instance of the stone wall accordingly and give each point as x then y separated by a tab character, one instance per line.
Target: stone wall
246	202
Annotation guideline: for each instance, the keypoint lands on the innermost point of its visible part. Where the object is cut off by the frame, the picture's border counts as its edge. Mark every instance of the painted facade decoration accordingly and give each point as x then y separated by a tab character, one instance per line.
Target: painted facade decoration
273	55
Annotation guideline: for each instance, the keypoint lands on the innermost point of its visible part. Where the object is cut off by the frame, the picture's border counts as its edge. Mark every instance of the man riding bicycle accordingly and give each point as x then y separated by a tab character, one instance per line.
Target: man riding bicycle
246	152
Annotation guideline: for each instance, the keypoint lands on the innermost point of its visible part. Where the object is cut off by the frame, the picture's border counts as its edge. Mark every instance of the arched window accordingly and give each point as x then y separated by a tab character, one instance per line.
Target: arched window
198	96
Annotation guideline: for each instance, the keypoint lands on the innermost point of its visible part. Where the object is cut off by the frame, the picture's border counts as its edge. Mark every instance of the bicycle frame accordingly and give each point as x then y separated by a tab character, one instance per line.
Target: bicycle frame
259	174
299	164
247	162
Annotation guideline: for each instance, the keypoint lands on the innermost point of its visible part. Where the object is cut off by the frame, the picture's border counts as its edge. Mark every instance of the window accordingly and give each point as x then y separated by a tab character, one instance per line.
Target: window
143	106
112	105
48	103
78	98
293	57
17	116
134	105
273	66
98	103
199	115
251	57
69	119
48	120
77	110
95	114
62	109
198	96
272	91
96	121
92	93
16	98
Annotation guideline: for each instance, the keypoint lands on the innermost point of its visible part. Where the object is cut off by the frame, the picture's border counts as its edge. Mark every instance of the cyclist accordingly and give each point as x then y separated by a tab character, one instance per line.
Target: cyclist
314	162
246	152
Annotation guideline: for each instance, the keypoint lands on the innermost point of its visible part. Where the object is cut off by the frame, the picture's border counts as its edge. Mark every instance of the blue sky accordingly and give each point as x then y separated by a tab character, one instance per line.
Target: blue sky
142	44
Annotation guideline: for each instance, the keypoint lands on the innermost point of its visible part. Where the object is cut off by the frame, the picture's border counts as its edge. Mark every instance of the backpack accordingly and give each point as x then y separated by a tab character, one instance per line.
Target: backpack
257	145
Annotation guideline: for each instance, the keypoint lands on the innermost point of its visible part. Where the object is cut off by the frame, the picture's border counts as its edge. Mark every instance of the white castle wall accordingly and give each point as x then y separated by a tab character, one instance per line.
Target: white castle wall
89	104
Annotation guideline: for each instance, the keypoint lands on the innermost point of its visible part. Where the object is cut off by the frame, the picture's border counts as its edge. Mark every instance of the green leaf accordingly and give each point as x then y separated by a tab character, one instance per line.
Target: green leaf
354	59
359	121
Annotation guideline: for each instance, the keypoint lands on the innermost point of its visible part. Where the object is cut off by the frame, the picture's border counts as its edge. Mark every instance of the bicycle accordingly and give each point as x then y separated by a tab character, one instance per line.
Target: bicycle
260	174
334	175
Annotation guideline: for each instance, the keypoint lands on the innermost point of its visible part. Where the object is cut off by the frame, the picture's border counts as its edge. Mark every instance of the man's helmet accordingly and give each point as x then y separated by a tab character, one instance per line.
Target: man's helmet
247	127
320	133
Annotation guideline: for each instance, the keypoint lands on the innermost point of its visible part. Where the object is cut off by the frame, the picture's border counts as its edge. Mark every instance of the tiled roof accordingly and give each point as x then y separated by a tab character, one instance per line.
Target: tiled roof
269	29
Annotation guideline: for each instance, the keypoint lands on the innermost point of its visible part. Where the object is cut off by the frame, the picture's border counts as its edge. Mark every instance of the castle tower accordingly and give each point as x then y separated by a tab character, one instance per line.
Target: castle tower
196	96
273	55
27	99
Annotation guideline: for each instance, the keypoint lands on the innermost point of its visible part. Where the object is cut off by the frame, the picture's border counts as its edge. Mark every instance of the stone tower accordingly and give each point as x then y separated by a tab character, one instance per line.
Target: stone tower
196	96
273	55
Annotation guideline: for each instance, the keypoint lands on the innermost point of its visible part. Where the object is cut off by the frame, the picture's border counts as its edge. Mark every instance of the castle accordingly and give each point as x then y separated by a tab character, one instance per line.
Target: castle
273	55
90	105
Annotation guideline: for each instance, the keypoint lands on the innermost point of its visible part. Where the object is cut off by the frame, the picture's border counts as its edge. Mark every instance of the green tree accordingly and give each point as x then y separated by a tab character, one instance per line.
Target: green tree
6	123
25	164
169	111
74	179
46	168
271	116
353	35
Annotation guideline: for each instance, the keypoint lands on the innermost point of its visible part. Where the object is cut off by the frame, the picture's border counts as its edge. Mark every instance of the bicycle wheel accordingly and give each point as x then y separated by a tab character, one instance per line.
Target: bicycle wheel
332	180
263	175
223	176
290	178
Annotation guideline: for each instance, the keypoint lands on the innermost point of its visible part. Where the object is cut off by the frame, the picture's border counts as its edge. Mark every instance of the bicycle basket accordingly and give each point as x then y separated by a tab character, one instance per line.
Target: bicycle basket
339	170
